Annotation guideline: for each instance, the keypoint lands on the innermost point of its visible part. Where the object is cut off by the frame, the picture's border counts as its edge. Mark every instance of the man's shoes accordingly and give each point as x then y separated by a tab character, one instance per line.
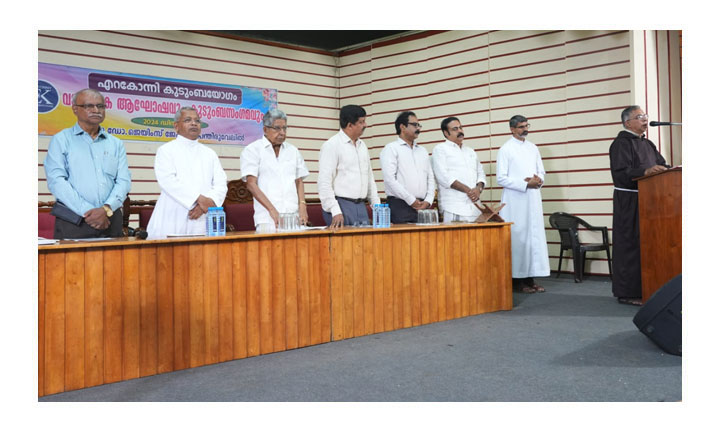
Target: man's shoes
634	301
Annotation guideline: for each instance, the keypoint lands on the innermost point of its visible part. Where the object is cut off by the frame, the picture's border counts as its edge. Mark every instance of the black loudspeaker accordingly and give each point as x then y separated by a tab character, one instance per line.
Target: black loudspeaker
660	318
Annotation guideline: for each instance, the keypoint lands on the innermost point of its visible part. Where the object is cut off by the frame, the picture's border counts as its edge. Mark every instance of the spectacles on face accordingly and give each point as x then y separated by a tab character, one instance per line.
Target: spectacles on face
417	125
188	120
526	126
91	106
641	117
278	128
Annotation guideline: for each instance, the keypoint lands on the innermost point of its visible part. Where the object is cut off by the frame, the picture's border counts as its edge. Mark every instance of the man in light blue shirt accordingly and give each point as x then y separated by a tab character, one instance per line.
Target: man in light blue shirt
87	172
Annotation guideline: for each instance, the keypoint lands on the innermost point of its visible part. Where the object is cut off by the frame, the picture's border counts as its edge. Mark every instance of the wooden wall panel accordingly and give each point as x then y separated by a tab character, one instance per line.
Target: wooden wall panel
148	358
54	323
164	277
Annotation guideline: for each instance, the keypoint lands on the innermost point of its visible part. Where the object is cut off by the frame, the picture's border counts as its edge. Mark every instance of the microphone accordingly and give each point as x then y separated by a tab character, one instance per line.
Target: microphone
657	123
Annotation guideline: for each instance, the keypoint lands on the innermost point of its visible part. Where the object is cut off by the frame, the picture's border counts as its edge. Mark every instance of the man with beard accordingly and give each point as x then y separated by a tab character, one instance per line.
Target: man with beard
274	171
87	172
345	178
191	180
631	156
521	173
408	178
459	175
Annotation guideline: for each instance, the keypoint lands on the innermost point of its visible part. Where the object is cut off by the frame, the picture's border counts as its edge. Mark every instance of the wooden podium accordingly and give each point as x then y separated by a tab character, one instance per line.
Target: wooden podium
660	209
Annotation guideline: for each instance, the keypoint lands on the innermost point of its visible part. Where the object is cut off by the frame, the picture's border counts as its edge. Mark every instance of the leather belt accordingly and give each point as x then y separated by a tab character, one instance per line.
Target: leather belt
354	200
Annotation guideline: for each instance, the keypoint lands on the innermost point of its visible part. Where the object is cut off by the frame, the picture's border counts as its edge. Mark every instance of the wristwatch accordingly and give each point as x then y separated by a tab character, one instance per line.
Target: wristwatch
108	210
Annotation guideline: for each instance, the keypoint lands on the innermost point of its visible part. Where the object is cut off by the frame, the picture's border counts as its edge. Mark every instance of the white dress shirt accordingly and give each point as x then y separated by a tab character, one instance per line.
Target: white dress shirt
407	173
450	162
275	176
345	171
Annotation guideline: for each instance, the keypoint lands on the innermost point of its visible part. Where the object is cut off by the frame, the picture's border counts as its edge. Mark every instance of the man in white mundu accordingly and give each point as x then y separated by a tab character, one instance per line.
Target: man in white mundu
521	173
460	176
191	180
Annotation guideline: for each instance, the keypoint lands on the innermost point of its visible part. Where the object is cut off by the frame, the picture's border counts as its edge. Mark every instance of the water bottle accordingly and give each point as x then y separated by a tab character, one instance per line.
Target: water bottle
387	217
212	222
221	221
376	215
384	217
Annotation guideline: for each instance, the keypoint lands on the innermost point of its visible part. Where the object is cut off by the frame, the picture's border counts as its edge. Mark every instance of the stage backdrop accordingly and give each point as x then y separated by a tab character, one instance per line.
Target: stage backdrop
142	107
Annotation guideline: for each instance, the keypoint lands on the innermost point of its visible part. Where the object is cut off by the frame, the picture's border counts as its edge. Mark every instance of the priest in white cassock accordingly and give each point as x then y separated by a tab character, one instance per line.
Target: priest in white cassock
521	173
191	181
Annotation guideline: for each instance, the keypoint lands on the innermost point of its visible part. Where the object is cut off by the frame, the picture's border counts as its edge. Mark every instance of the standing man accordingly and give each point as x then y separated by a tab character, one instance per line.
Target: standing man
87	172
631	156
191	180
409	180
274	171
459	175
521	173
345	178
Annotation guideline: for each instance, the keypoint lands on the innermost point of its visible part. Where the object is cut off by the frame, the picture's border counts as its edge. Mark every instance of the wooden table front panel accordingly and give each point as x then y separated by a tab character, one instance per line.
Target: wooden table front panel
132	309
388	281
117	313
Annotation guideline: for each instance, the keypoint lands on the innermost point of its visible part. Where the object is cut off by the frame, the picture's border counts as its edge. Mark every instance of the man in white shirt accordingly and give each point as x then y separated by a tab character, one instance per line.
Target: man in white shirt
521	173
345	177
459	174
274	171
191	180
408	178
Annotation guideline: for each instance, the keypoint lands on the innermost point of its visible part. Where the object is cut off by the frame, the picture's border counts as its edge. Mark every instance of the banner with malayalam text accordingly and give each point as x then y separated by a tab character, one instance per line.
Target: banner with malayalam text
142	108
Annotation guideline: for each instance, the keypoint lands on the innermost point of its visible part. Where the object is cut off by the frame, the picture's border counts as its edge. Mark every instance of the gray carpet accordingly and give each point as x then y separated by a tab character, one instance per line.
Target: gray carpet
572	343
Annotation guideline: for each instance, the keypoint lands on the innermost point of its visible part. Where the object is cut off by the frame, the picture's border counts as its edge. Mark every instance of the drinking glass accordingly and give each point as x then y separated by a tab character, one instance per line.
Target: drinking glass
433	215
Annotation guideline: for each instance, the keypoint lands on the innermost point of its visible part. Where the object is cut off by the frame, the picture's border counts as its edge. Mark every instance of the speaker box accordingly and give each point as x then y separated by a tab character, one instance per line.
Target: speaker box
660	318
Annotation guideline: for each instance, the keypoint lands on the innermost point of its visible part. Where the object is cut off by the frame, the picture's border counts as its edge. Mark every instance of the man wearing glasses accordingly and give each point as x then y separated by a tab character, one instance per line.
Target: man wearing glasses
191	180
460	176
274	171
409	180
521	174
87	172
632	155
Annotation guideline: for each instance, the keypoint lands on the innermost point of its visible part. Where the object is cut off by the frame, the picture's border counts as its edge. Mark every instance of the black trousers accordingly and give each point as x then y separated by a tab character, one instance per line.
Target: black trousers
400	212
66	230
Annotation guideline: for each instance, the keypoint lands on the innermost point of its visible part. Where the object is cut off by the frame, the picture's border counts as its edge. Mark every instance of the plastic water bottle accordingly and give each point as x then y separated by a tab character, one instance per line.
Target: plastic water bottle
387	215
220	221
383	217
376	215
212	222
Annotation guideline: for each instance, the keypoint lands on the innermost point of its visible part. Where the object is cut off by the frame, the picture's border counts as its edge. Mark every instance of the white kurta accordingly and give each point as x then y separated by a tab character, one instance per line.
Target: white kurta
516	161
185	169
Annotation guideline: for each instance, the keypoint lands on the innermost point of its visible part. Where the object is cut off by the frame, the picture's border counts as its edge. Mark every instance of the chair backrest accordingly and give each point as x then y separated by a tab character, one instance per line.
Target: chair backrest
564	223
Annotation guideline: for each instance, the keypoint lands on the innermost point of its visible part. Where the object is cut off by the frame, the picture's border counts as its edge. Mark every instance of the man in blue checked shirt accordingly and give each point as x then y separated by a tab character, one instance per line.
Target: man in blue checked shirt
87	172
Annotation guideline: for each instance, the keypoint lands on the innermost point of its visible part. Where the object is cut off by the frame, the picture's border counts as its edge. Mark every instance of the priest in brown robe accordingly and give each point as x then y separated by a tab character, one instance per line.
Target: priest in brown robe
632	155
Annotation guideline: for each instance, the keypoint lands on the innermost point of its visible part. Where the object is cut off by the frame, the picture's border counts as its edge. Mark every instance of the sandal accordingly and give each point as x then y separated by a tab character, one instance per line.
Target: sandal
634	301
538	288
525	289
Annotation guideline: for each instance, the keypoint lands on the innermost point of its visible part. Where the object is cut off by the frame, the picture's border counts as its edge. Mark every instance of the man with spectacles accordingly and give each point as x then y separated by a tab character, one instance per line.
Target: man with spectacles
191	180
632	155
460	176
409	180
87	172
345	178
274	171
521	174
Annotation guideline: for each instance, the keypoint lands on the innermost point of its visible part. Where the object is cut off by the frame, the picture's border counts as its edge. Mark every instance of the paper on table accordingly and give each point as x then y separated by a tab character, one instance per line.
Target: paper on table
44	241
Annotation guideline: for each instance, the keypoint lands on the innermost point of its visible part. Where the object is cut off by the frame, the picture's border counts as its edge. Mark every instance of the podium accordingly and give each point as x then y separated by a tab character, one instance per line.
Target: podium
660	211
